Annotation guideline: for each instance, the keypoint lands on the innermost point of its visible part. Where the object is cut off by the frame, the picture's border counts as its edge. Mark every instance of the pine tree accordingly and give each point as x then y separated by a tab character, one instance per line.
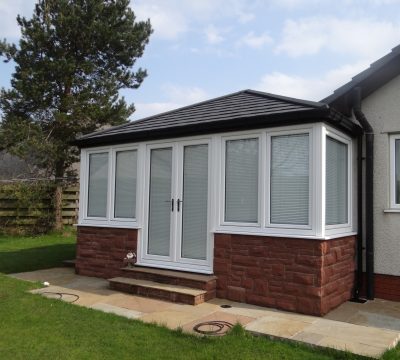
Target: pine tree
73	58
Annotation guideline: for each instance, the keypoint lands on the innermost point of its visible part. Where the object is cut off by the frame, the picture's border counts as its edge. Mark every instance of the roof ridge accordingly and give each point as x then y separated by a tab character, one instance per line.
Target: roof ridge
316	104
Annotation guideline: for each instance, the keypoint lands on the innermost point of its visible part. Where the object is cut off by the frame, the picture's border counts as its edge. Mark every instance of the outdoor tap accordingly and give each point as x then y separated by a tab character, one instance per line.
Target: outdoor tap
130	259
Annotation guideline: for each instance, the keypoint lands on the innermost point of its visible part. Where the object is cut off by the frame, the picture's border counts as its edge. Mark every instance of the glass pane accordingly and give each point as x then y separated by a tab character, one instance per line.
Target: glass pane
160	201
290	171
98	185
397	170
195	198
125	184
241	181
336	182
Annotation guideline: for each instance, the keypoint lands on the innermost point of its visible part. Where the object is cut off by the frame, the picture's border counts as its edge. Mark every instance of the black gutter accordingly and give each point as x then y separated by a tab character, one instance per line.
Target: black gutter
369	196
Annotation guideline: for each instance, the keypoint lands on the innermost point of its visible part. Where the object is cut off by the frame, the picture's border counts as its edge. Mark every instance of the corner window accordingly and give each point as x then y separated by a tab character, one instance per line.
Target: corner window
337	182
241	180
110	183
125	184
395	171
290	179
98	185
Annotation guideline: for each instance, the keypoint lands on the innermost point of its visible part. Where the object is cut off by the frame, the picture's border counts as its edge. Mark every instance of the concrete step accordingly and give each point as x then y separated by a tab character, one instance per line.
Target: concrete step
151	289
191	280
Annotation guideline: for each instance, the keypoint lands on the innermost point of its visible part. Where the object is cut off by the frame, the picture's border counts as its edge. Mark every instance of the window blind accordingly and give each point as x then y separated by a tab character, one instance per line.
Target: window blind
336	182
160	201
241	180
125	184
98	185
195	199
290	179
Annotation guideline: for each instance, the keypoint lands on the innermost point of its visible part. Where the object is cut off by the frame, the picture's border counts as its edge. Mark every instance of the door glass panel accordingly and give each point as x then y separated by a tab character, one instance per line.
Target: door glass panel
160	201
195	199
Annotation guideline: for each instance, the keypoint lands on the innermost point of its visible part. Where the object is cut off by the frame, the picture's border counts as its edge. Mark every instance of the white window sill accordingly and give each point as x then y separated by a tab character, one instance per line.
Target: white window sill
391	211
111	225
231	231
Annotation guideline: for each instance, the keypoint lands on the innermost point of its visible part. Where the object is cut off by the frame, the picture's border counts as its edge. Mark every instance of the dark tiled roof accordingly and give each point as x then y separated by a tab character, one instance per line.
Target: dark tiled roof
378	74
247	108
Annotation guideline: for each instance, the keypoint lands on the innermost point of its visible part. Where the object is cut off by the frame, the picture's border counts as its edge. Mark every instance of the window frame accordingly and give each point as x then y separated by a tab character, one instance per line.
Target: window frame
109	220
338	136
224	139
392	165
311	175
114	151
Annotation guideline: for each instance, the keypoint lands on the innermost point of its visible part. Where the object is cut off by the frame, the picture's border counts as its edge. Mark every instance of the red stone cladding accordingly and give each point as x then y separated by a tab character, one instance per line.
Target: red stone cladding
302	275
101	250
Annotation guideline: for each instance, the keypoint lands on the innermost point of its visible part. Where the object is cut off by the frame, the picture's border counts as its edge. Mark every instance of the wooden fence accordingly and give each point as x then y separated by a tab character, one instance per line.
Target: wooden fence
12	215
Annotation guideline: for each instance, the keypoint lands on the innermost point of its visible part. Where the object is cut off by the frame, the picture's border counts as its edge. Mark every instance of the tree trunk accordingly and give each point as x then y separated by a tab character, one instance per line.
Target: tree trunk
58	207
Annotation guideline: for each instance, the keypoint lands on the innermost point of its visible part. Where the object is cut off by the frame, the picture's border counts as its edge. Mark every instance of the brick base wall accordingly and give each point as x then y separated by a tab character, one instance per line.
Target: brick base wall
100	250
306	276
387	287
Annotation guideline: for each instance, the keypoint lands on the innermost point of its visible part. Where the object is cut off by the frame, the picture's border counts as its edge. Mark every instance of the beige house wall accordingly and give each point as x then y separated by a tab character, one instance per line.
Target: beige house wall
382	109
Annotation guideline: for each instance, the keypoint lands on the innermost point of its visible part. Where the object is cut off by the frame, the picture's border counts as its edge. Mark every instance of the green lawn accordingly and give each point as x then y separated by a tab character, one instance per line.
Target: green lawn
33	327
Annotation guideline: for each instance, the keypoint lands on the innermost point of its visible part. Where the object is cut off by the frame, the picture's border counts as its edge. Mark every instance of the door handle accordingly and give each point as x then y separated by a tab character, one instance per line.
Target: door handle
179	201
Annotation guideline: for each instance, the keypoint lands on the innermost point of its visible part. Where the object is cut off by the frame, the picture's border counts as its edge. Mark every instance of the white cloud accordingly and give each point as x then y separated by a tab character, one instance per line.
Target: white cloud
213	35
184	94
295	4
364	37
309	88
255	41
167	22
8	15
173	18
177	96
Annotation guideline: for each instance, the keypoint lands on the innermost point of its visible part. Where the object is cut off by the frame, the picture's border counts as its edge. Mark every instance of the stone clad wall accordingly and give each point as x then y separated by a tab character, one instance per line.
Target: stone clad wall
302	275
100	250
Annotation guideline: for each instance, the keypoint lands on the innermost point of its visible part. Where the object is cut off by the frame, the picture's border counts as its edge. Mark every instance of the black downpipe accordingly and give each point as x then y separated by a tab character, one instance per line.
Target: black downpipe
359	277
369	193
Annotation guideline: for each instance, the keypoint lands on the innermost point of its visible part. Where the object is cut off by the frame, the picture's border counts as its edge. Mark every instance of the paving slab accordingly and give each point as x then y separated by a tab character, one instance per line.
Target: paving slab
117	310
366	330
219	316
137	303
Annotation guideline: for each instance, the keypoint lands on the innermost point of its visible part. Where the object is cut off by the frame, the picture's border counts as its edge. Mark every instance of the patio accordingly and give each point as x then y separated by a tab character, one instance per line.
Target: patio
366	329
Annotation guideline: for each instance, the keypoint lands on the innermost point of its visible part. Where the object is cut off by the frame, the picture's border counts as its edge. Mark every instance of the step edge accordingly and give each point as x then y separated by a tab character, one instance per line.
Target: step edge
142	270
158	286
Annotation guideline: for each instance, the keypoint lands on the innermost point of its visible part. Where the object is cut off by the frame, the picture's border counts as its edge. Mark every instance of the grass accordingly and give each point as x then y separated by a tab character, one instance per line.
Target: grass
38	328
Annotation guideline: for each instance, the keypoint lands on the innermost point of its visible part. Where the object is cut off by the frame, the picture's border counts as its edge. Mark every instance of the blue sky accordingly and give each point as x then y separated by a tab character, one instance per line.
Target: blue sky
201	49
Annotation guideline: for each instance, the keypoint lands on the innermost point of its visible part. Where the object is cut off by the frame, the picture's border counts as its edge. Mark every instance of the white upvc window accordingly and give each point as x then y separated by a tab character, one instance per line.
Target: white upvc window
395	171
338	182
109	186
241	180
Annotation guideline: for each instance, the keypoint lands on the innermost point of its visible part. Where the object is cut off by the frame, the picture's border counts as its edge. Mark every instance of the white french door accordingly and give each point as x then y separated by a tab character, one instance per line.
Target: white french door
176	232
